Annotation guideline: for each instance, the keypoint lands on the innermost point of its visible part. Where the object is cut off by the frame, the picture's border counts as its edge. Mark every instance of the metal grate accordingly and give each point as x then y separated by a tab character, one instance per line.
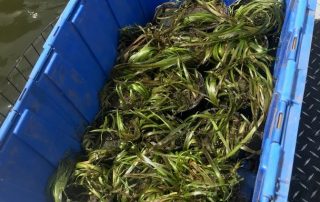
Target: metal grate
305	184
12	85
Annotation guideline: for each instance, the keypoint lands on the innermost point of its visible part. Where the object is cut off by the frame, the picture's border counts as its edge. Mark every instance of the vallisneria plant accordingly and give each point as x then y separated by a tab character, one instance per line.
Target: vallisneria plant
188	94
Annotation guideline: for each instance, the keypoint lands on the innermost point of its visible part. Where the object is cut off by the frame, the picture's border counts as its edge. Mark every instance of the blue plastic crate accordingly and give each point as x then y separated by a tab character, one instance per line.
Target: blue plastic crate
61	96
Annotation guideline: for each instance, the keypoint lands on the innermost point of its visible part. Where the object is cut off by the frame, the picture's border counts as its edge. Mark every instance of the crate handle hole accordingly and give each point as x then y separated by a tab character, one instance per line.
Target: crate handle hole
294	43
280	120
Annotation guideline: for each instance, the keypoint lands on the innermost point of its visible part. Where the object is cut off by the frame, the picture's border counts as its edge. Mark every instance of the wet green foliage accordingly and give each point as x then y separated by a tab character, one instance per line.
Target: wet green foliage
189	92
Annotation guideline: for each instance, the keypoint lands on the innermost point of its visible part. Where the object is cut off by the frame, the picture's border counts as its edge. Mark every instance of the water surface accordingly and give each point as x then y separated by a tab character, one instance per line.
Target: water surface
21	21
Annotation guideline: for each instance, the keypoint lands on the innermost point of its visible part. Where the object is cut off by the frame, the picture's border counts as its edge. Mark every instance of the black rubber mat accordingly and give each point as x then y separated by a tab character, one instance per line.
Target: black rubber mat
305	183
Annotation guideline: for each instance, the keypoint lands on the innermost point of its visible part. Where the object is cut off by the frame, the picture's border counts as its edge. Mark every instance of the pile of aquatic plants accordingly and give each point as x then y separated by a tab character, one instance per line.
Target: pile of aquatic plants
189	93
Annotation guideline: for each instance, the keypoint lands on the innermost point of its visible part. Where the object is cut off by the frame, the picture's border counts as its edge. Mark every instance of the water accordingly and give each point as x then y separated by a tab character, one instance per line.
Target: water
21	21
